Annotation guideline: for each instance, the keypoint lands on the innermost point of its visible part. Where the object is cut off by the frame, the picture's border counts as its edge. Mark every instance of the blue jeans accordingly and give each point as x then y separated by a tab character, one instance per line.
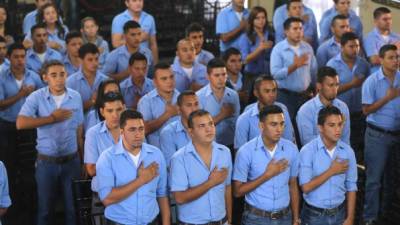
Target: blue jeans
313	217
292	101
377	151
49	176
252	219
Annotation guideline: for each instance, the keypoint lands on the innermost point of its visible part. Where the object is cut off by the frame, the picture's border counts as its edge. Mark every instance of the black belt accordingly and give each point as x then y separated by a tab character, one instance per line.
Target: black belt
272	215
391	132
59	159
330	212
219	222
110	222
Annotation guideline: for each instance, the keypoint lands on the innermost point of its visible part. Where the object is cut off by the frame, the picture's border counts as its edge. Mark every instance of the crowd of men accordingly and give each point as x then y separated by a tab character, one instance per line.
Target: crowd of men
234	139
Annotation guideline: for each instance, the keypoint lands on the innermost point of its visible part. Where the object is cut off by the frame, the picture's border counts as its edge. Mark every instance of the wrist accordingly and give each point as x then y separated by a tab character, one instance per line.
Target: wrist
53	118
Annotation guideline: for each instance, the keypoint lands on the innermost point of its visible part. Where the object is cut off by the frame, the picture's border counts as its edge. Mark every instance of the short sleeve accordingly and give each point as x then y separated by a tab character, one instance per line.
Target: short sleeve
242	165
178	179
105	175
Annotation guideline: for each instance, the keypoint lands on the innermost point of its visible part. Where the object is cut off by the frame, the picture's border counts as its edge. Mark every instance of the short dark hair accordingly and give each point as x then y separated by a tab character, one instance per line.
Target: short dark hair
37	26
386	48
72	35
325	71
13	47
267	110
88	48
161	66
111	97
47	64
215	63
183	94
348	36
260	79
193	27
137	56
129	114
288	22
378	12
131	24
290	3
229	52
338	17
327	111
194	114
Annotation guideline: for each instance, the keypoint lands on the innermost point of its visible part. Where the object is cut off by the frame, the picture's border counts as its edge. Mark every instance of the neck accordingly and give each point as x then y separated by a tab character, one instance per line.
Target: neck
39	49
324	101
91	39
292	42
2	60
237	8
138	82
135	15
217	90
270	144
112	129
186	65
56	93
233	77
131	149
18	73
202	146
337	39
384	31
348	59
88	74
389	73
51	26
184	122
132	49
328	143
259	30
75	60
166	95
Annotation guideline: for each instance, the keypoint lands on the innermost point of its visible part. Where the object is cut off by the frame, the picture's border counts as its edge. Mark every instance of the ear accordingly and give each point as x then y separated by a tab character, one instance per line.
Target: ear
261	125
102	111
318	86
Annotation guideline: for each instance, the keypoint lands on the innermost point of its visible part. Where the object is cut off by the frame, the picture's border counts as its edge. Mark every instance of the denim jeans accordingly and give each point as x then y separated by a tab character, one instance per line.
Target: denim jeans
252	219
378	149
50	176
313	217
292	101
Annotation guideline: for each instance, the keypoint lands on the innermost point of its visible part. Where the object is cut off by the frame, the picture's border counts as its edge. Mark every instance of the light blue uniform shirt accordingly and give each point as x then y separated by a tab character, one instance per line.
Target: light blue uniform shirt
9	88
226	128
146	22
4	66
360	69
227	20
248	128
98	138
282	57
92	118
307	119
118	60
60	138
374	89
374	41
33	61
79	83
327	50
172	138
183	81
30	21
261	63
5	200
315	160
250	163
54	37
69	67
115	168
129	90
325	24
152	106
188	170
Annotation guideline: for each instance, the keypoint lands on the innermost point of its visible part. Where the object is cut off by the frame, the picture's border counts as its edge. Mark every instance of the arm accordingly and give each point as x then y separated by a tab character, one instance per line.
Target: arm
120	76
79	136
228	202
191	194
242	188
165	210
118	194
117	40
229	36
153	125
5	103
154	48
91	169
294	198
305	125
351	207
371	108
25	122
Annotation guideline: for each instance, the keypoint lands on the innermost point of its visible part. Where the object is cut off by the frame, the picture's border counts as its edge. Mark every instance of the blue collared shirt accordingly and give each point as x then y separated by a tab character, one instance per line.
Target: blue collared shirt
327	50
282	57
315	160
118	60
97	140
227	21
307	119
188	170
225	128
325	24
152	106
92	118
360	69
5	200
79	83
260	64
60	138
115	168
250	163
33	62
69	67
173	137
248	128
129	90
4	66
9	88
183	81
53	36
29	21
146	22
374	89
238	86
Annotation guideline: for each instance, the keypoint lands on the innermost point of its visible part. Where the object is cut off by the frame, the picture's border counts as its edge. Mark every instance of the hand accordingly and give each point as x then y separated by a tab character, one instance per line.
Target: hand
276	167
301	61
101	50
61	115
305	18
26	90
348	221
217	176
357	81
227	110
171	110
339	166
53	44
397	45
265	45
392	93
149	173
243	24
94	97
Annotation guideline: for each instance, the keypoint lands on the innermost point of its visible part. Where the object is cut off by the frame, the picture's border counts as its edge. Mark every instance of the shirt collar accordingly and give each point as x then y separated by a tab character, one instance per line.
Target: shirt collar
321	146
209	91
120	149
179	125
48	95
319	104
260	144
254	110
103	127
287	46
189	148
154	93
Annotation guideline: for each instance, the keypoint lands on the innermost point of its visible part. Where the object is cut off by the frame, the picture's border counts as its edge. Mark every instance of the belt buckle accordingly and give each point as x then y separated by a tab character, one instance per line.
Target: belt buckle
331	212
275	215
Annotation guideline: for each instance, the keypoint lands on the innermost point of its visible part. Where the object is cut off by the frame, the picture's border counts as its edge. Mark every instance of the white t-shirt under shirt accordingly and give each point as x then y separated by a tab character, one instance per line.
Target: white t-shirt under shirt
135	158
42	56
331	152
239	15
295	49
385	38
188	71
272	153
58	99
19	83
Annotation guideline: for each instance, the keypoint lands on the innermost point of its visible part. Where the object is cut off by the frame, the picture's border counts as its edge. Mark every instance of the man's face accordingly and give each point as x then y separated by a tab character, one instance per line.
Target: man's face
164	80
190	103
39	37
384	22
133	133
234	64
55	78
295	32
295	9
238	3
217	77
332	128
340	27
329	87
138	70
343	7
134	5
186	52
351	48
197	38
17	59
74	45
272	127
111	113
203	129
266	92
90	28
90	62
133	37
390	60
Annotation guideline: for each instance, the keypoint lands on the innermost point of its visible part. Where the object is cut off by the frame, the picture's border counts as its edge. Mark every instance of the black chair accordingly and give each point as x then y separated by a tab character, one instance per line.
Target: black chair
82	194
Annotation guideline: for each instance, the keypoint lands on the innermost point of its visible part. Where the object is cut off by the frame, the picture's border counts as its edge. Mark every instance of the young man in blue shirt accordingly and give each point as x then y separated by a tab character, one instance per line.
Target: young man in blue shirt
328	174
381	105
57	113
265	172
72	62
200	175
195	33
132	177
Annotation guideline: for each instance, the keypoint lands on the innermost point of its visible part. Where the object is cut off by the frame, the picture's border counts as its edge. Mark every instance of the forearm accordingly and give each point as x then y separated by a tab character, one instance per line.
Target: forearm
195	86
240	189
316	181
228	202
4	104
117	40
91	169
25	122
345	87
118	194
154	49
165	210
231	34
80	141
88	104
191	194
351	204
294	198
153	125
120	76
368	109
291	69
253	55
